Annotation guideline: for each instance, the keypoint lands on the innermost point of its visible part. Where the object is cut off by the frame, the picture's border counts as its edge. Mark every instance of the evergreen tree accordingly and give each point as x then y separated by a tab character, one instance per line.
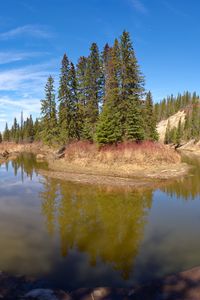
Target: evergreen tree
179	133
48	110
81	93
167	133
63	97
150	119
74	130
93	85
134	120
6	134
109	127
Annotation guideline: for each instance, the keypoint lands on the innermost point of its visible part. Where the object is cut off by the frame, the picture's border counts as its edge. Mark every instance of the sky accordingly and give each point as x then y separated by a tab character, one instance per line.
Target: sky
34	35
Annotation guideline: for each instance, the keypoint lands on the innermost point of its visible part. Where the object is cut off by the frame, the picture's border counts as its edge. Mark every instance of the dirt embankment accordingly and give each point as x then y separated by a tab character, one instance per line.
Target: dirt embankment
127	164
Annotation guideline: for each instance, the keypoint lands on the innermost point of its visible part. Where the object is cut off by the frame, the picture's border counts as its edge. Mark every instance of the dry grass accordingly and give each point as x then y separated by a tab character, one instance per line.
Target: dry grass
141	154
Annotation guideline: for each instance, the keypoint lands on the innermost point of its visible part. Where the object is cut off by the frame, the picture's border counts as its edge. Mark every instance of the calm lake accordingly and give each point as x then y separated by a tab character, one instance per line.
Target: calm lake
85	236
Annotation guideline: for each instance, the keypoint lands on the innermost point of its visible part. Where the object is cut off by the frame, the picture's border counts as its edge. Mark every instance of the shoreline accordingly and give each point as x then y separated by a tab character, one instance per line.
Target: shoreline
124	175
182	285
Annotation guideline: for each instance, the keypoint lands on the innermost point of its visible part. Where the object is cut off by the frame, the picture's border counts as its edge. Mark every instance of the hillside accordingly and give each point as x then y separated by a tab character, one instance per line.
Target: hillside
173	120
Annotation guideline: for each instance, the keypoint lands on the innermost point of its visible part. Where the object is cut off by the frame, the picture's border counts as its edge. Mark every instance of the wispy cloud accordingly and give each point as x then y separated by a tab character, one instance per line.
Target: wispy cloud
22	89
28	30
139	6
10	56
25	79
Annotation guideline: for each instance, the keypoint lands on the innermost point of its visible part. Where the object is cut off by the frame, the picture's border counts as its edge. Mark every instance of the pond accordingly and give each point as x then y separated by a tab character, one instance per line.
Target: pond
85	236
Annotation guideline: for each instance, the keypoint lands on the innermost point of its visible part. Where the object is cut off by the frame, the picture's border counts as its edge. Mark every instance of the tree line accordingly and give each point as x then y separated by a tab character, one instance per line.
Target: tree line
189	128
101	99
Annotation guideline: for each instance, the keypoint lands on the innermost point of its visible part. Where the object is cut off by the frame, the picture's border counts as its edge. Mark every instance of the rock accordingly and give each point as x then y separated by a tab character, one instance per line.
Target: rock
46	294
41	294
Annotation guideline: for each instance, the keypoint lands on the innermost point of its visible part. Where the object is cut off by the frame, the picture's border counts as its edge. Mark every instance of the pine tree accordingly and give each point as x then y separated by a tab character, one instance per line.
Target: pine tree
150	119
63	97
109	126
134	120
167	133
132	81
179	133
48	110
81	93
93	85
6	134
74	130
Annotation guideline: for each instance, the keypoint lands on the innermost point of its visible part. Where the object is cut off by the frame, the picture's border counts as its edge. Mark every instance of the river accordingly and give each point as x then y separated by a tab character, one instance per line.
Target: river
85	236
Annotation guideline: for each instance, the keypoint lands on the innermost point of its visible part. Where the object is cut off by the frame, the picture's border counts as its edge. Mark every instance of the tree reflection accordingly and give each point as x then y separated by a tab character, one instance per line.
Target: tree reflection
25	164
108	225
187	187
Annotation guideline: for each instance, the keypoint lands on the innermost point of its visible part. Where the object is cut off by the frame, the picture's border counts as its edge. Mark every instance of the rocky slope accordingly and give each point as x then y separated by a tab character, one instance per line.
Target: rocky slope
173	120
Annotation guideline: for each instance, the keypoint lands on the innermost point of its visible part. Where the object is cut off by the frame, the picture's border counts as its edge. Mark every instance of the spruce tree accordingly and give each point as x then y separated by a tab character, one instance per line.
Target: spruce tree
150	119
134	120
179	133
81	93
132	81
6	134
167	133
74	130
48	111
93	85
109	128
63	97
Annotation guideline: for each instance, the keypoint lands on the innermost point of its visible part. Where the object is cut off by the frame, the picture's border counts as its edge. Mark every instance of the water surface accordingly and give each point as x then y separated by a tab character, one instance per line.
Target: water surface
85	236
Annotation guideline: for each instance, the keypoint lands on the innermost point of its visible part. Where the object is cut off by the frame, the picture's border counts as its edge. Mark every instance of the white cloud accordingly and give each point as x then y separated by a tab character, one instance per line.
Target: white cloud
139	6
25	80
28	30
24	88
9	56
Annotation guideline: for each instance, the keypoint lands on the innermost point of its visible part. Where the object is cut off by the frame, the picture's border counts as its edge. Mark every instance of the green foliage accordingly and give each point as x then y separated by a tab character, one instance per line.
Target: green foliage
134	121
150	119
101	99
48	111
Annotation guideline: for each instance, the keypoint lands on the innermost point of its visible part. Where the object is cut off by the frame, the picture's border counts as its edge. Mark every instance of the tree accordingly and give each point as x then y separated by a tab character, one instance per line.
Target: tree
134	121
179	133
6	134
150	119
63	97
167	133
132	81
93	85
74	130
48	111
81	93
109	128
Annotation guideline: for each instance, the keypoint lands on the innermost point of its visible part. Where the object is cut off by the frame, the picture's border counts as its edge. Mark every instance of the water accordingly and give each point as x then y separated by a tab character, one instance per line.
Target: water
85	236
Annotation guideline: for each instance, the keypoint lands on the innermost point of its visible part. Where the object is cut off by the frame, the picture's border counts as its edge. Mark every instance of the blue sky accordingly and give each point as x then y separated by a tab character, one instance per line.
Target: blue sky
34	34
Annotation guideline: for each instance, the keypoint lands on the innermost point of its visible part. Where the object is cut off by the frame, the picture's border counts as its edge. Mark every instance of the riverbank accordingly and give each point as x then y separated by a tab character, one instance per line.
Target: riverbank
127	164
181	286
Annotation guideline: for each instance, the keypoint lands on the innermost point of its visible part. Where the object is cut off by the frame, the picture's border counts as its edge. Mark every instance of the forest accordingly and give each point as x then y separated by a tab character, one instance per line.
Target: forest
101	99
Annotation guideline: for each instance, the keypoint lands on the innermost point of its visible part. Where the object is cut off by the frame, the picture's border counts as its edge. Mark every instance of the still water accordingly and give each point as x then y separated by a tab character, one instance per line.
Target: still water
85	236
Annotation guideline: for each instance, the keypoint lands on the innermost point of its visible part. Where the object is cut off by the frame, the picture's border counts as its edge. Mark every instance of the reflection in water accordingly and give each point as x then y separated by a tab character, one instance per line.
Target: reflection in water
187	187
78	235
105	225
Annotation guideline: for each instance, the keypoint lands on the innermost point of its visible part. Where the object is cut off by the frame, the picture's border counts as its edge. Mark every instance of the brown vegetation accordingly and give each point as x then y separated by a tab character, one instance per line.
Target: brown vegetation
140	154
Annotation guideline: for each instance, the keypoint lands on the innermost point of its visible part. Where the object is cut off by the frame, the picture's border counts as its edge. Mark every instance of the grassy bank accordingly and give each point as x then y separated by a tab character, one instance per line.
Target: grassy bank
122	164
